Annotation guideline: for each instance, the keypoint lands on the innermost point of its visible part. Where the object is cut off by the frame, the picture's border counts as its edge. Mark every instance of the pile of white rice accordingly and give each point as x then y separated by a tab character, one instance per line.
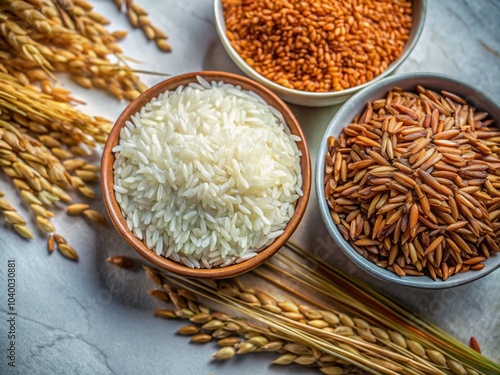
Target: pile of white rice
207	175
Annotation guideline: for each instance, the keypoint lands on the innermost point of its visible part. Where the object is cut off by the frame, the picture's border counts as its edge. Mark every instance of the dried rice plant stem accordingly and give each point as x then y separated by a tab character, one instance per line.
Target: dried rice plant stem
138	18
17	37
349	326
43	167
42	135
292	340
360	298
68	37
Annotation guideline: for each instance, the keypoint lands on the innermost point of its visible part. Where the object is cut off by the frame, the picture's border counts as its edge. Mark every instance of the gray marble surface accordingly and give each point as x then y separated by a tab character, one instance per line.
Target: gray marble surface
92	318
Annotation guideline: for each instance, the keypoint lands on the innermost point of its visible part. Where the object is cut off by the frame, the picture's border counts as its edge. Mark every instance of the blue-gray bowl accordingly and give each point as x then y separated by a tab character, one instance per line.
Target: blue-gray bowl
345	115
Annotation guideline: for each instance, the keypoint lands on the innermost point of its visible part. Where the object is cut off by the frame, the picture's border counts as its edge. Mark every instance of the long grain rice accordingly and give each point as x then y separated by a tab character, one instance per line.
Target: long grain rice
207	175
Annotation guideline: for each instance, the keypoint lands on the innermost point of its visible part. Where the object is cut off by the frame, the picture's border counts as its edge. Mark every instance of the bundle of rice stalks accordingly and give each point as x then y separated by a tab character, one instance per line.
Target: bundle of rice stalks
43	138
320	317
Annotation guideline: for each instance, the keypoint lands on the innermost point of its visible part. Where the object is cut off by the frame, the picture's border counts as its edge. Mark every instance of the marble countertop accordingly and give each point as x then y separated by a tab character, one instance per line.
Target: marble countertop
92	318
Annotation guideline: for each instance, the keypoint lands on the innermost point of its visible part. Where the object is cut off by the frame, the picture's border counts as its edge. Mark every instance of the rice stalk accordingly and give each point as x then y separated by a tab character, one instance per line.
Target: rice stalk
66	38
138	18
42	135
349	326
363	299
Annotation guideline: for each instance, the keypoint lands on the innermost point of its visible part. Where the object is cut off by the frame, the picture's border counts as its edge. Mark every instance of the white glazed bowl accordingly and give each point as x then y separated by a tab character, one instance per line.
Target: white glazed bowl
344	116
319	99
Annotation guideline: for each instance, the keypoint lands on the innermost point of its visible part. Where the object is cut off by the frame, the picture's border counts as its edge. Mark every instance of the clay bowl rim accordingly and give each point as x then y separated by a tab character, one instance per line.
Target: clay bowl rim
114	210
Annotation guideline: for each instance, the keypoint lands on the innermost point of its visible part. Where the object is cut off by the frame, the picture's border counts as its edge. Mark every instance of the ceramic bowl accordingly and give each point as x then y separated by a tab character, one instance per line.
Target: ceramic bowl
319	99
345	115
115	212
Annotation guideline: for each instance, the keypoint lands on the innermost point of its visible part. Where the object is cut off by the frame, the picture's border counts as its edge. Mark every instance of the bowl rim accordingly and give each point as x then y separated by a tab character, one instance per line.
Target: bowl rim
113	208
247	69
345	111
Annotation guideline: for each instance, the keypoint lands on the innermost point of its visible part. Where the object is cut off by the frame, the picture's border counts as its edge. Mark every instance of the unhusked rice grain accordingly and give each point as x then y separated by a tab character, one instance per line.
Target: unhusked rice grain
207	175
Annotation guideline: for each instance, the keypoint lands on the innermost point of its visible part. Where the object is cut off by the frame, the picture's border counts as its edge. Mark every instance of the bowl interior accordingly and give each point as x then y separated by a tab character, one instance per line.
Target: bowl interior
113	207
345	115
314	99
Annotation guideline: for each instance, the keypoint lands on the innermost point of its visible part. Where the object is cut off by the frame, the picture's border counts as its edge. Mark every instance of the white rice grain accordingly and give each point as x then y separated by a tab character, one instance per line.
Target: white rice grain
207	175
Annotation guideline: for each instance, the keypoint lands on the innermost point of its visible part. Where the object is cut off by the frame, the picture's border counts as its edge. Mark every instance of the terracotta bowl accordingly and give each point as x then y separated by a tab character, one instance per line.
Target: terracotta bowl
114	210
